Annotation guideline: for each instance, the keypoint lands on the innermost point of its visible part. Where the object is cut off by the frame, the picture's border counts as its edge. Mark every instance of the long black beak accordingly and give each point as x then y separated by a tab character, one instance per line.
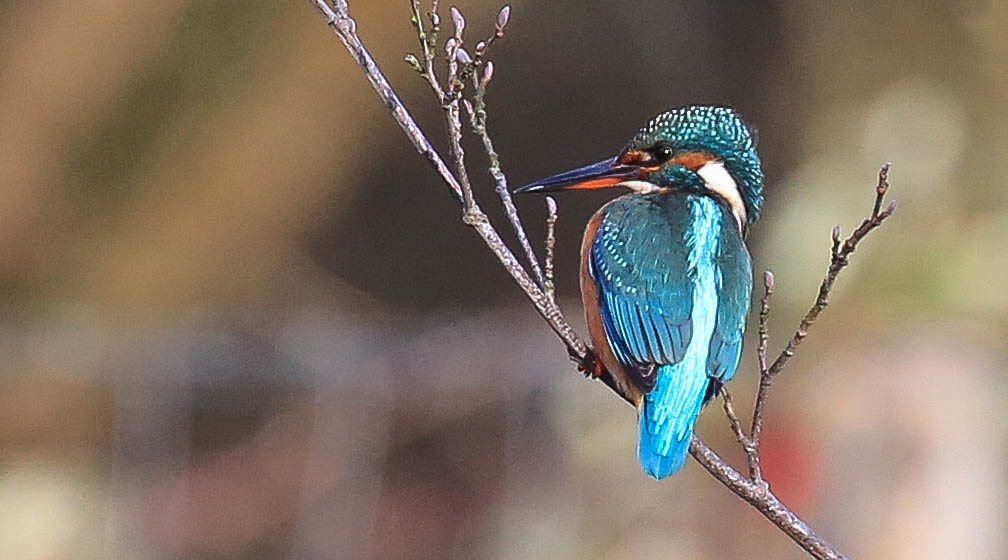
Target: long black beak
599	175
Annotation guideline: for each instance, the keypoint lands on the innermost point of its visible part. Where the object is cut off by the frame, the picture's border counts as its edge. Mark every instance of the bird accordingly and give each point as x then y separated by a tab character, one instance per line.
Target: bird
665	275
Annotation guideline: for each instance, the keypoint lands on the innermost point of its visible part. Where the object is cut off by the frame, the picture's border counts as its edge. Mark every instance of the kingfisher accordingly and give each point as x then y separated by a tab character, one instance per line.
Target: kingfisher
666	277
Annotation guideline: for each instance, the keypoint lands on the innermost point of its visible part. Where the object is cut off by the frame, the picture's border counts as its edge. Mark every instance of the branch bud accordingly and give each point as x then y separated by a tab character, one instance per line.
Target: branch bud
768	280
459	21
502	20
413	62
463	56
487	73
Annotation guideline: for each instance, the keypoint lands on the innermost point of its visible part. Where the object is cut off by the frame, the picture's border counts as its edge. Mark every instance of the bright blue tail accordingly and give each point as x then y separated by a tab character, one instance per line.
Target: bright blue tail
667	417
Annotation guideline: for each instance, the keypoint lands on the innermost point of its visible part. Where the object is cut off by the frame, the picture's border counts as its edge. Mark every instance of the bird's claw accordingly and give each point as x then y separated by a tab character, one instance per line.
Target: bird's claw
590	365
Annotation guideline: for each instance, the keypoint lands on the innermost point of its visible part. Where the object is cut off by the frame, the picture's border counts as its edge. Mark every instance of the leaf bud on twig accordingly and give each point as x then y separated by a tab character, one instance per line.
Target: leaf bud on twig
459	21
502	20
487	73
413	62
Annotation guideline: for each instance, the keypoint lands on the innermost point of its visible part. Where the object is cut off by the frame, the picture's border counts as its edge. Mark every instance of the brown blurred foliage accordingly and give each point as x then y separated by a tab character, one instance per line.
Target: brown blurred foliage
241	319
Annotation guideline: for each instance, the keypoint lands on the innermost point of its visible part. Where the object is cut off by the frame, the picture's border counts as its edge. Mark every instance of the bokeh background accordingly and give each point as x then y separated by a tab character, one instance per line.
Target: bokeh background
240	318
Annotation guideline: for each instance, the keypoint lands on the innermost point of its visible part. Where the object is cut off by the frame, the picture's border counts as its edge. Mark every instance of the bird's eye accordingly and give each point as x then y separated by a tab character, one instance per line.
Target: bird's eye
662	152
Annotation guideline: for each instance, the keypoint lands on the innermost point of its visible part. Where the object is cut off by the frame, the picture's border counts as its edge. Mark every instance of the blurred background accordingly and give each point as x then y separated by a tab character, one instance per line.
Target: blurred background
240	317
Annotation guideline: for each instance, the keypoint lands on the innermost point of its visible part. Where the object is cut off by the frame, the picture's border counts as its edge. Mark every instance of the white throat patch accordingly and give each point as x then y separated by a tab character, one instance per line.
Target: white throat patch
719	181
640	187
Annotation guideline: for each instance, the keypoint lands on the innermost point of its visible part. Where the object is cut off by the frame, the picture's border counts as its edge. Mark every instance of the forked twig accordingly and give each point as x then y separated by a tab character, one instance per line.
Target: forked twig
345	27
478	120
839	258
744	439
756	428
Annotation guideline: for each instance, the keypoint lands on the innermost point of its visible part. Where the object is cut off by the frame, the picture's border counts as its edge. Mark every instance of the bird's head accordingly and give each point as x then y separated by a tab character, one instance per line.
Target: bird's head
701	148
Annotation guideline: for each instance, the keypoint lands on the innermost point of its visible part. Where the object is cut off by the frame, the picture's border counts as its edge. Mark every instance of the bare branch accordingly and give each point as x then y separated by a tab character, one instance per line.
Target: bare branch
346	29
340	6
551	220
764	318
881	188
472	210
839	253
449	103
838	261
428	42
478	120
756	428
751	451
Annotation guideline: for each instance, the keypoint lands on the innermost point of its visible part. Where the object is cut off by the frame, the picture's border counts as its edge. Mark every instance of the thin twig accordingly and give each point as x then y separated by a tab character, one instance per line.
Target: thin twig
839	258
341	8
551	220
472	210
478	120
449	102
764	319
838	261
752	455
346	29
729	409
428	42
503	16
756	428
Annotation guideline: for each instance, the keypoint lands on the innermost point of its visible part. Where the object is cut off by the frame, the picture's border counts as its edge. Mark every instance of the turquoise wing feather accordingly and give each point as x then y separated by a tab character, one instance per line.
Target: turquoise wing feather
639	263
734	295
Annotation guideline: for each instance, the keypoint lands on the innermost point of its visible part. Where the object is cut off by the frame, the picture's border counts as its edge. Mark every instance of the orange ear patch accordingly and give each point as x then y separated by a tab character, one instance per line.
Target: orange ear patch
693	160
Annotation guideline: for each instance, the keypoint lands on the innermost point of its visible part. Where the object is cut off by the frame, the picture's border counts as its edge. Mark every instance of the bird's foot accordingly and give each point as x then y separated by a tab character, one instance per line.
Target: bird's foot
591	366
